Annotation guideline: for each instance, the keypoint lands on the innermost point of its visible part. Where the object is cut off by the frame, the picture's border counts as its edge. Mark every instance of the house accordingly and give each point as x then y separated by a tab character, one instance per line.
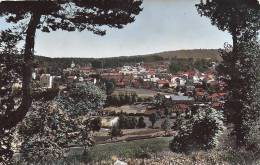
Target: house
87	70
108	122
178	81
46	81
71	78
218	105
120	84
162	83
217	97
181	108
180	99
110	76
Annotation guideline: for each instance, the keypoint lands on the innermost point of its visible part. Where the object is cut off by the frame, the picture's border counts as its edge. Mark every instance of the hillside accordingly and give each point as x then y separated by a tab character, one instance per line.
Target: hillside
212	54
56	65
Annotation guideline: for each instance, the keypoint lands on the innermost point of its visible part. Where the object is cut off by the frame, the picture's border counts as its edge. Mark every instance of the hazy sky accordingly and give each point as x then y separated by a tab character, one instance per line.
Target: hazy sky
163	25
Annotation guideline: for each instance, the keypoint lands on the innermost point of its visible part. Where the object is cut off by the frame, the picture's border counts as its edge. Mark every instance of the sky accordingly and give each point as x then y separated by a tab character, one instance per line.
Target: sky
163	25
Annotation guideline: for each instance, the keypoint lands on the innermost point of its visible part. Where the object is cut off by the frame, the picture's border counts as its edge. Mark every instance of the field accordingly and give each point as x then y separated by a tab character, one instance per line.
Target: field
140	92
133	149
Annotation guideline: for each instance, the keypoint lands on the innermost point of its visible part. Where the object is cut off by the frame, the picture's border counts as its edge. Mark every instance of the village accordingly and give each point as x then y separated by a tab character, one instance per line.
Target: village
134	91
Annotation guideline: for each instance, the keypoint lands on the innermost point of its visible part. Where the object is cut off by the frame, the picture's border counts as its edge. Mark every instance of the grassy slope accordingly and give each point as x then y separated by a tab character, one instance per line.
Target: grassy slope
130	149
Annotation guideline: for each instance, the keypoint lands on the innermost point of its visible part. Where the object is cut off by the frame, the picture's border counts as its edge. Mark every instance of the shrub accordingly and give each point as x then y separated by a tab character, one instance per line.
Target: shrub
166	125
127	122
153	118
115	131
141	123
253	138
201	131
96	124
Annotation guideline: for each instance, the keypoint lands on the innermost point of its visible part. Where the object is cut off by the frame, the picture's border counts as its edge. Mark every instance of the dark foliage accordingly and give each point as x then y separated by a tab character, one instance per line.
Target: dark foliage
141	123
241	18
127	122
154	117
96	124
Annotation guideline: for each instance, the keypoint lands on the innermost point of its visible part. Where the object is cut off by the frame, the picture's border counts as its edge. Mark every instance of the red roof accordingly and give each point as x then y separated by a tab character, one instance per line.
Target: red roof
215	95
200	93
163	82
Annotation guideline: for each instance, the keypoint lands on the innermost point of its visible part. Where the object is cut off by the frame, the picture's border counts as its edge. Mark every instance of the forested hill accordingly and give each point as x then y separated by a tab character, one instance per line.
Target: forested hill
56	64
212	54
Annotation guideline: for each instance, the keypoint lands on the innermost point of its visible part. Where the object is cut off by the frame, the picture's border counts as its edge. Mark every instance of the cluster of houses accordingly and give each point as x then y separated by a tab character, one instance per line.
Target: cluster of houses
183	88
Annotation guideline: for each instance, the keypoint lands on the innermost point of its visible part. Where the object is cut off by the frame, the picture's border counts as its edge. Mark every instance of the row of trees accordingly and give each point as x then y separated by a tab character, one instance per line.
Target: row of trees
130	122
122	99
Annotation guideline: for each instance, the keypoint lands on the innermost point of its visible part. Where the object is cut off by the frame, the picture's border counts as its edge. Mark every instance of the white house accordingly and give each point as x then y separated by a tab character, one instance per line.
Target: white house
176	80
108	122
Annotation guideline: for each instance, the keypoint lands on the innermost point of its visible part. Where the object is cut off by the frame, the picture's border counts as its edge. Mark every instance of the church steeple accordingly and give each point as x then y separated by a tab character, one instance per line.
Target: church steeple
72	65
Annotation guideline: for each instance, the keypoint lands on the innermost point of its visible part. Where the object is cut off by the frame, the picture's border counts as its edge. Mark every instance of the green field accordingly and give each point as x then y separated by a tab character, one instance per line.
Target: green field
132	149
145	93
104	152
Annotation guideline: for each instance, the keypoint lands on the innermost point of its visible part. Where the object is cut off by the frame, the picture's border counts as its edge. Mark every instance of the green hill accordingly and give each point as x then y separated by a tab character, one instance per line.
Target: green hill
56	65
212	54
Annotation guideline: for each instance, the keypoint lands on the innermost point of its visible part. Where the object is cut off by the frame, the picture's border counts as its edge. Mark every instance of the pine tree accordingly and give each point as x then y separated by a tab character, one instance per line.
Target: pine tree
48	16
153	118
166	125
141	123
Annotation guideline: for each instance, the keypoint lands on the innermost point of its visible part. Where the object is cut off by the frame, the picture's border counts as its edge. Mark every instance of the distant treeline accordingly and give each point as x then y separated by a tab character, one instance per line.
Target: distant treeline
56	65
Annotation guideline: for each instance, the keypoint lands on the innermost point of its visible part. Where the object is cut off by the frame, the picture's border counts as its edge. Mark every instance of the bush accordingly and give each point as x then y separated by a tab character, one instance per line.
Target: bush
141	123
115	131
201	131
253	138
153	118
166	125
127	122
96	124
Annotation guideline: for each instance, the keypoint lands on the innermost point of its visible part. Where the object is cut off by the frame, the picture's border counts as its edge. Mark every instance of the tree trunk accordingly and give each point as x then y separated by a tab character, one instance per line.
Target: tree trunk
234	38
14	117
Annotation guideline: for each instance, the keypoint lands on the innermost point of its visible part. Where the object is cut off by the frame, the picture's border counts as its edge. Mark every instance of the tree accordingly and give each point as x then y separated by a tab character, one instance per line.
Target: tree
166	125
78	102
127	122
159	100
132	122
51	125
190	135
96	124
45	133
134	97
141	123
239	17
122	121
10	93
167	111
153	118
242	84
115	131
110	86
175	67
53	15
